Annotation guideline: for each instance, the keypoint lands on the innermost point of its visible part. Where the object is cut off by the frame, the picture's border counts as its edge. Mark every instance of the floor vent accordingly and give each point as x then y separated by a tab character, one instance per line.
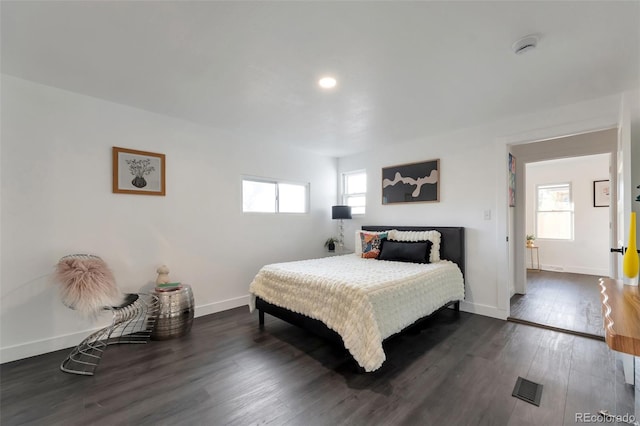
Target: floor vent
528	391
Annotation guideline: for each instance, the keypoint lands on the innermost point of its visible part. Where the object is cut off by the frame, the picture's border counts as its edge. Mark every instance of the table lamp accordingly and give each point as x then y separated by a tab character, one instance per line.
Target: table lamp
341	212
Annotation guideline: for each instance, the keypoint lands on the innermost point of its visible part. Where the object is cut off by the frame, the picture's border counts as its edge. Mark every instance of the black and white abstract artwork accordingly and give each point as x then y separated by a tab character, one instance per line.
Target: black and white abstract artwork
411	183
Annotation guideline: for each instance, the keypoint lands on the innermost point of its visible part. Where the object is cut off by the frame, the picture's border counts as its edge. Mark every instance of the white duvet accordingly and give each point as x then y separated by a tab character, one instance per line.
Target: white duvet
363	300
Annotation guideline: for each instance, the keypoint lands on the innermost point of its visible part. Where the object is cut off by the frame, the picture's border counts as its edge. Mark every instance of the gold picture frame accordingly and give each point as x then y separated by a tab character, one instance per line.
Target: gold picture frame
138	172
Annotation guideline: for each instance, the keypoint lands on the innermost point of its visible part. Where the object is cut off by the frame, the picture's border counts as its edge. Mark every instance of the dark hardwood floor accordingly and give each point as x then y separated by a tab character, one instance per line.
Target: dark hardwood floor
562	300
456	370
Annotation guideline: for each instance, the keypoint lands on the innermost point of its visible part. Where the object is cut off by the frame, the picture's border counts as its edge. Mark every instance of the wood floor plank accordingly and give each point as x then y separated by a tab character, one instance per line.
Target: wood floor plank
455	369
560	299
589	394
550	367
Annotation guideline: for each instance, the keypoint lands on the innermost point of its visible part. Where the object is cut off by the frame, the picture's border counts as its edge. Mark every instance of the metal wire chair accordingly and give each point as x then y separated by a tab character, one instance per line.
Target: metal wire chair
133	322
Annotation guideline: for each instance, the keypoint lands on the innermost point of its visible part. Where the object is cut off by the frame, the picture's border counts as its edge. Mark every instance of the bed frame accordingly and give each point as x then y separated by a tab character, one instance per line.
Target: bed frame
451	248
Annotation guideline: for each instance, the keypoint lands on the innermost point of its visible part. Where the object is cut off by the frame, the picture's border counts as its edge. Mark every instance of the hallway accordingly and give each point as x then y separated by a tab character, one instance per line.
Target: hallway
561	300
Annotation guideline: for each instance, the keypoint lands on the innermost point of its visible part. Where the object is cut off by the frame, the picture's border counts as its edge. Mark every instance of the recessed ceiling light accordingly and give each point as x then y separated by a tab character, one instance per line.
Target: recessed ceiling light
327	82
525	44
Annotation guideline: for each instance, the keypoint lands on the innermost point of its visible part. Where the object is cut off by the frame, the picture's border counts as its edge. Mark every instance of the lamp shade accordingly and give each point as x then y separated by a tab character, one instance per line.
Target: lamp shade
341	212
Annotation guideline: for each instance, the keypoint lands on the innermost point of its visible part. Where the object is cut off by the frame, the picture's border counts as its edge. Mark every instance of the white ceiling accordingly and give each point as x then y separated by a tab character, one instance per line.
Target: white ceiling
404	69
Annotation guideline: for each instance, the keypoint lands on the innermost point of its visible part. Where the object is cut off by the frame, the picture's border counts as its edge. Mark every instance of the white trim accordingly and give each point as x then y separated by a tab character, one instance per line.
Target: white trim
574	270
586	117
486	310
42	346
504	241
344	196
223	305
68	341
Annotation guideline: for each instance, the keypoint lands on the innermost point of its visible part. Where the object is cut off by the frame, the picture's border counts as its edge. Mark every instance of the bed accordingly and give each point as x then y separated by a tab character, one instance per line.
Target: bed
359	302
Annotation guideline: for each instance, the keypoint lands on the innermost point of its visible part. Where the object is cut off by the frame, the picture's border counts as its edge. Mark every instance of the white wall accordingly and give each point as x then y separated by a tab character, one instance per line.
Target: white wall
467	189
474	179
588	252
57	199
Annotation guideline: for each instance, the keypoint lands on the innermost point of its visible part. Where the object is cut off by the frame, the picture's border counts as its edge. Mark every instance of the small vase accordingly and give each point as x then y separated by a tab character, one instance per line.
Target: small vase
529	243
630	259
139	182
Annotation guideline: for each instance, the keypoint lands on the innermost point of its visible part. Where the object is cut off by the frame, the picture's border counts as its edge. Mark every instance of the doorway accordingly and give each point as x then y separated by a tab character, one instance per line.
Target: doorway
560	301
556	282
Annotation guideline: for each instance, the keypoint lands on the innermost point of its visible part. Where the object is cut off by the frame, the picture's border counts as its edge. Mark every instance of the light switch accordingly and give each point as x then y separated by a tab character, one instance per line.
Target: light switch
487	215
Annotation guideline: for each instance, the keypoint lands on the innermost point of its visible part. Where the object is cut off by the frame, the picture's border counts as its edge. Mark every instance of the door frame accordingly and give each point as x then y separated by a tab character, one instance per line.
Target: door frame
514	243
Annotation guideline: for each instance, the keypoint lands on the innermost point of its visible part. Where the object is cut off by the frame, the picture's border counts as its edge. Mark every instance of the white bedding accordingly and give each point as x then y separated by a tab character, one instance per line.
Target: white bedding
363	300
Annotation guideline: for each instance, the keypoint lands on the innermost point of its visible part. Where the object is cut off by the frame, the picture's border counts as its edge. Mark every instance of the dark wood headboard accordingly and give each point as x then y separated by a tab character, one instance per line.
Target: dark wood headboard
451	243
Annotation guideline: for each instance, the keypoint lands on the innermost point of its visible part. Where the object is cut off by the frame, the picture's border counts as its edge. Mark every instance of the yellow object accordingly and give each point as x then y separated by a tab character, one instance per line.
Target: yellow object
630	258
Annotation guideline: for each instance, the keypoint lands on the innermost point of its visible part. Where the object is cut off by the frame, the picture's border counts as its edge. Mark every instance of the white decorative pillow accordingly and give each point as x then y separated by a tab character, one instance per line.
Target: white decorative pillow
433	236
358	242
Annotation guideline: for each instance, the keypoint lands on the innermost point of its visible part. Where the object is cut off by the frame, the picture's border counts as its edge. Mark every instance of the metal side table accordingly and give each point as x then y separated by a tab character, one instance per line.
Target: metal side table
175	314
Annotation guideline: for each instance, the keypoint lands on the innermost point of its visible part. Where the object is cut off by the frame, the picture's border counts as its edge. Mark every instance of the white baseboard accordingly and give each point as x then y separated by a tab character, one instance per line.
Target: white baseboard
68	341
39	347
43	346
486	310
223	305
575	270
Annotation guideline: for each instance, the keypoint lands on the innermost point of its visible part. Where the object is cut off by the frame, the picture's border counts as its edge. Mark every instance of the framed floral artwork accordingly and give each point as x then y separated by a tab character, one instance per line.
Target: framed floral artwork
138	172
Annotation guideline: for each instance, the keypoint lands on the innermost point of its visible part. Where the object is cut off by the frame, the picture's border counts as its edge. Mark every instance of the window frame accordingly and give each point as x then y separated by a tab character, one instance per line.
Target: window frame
345	196
571	210
277	183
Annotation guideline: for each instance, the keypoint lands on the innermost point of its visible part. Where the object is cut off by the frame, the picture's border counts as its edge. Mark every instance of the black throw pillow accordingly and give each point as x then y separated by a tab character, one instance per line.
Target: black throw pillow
406	251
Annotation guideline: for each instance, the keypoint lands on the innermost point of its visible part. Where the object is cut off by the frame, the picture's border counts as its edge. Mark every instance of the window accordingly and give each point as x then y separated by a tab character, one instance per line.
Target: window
354	191
270	196
554	212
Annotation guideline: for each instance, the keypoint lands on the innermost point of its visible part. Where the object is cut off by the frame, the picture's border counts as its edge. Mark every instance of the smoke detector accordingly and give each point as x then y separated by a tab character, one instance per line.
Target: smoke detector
525	44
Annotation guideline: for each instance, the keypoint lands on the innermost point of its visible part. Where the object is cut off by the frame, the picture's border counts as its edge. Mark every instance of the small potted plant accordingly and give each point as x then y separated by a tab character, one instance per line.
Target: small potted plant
330	244
530	240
